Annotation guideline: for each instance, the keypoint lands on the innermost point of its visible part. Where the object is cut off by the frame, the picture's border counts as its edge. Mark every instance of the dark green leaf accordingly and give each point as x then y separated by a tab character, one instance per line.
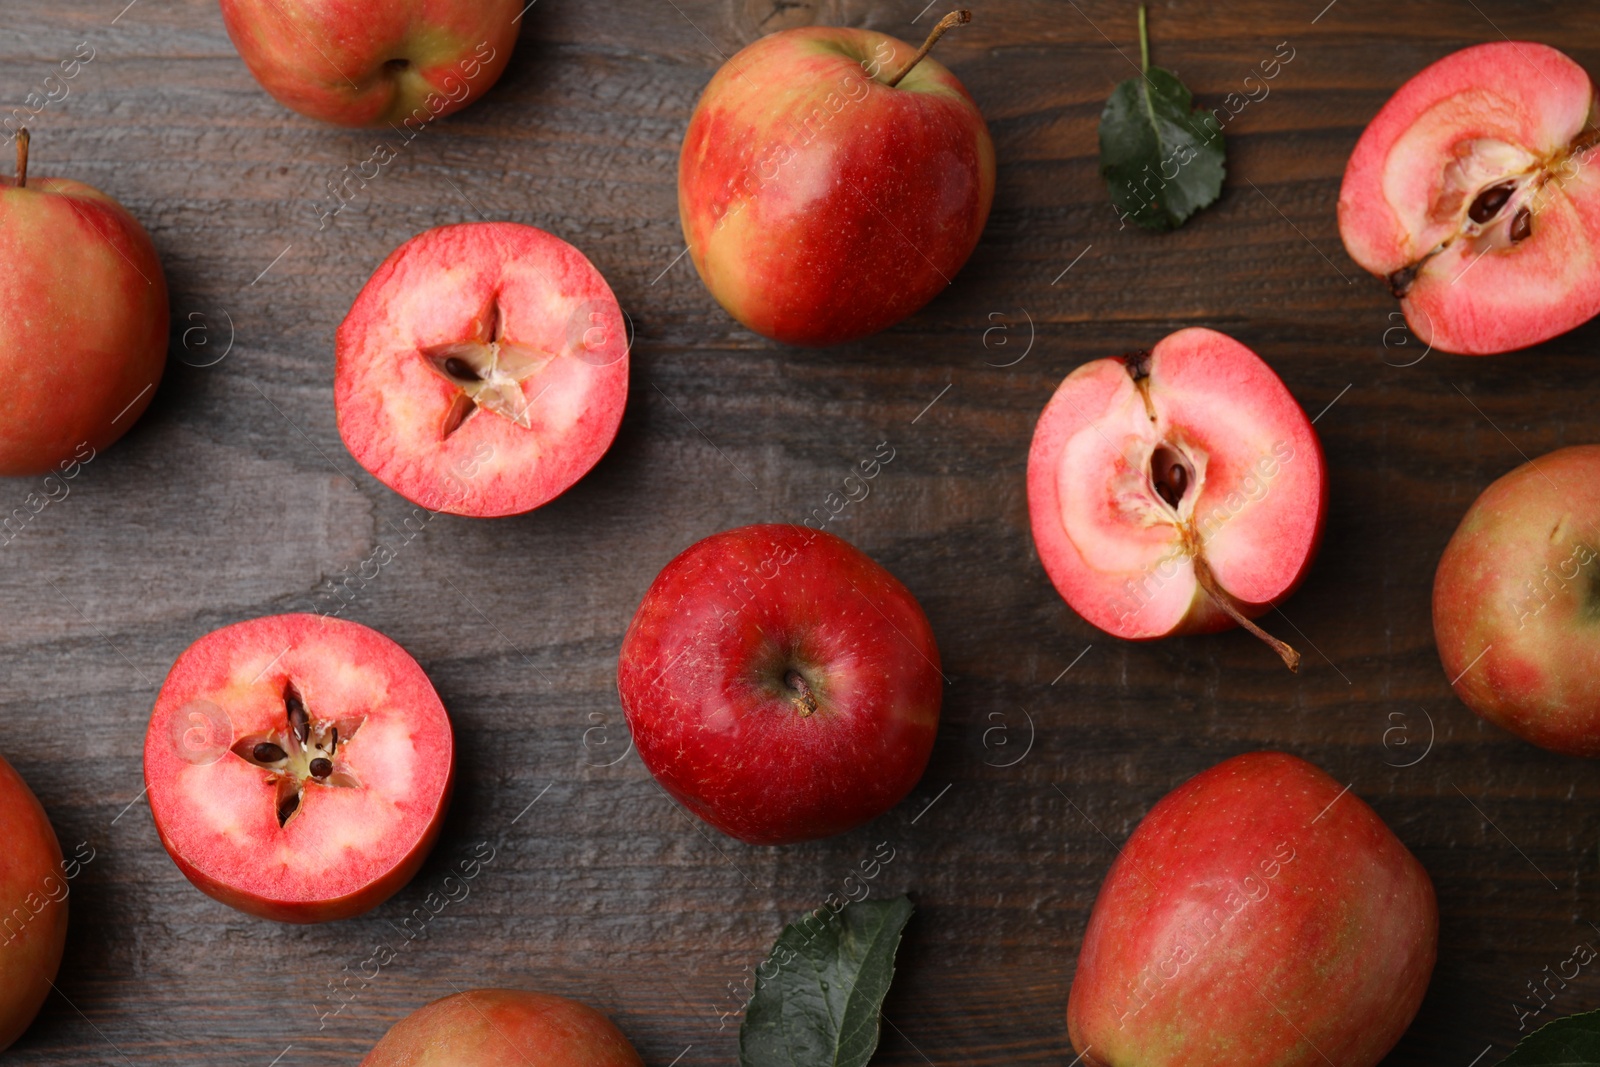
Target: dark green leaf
817	996
1570	1042
1162	160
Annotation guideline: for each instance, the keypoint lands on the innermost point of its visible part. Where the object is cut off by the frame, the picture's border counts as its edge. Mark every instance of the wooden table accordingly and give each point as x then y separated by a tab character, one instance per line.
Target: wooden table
234	497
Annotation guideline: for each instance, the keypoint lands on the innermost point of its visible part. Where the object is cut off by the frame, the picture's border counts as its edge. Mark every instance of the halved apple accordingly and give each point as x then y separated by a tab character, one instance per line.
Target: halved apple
1474	193
1179	490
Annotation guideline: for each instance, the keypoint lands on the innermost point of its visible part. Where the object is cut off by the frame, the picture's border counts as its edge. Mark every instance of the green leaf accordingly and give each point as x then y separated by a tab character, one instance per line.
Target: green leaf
1161	159
817	996
1570	1042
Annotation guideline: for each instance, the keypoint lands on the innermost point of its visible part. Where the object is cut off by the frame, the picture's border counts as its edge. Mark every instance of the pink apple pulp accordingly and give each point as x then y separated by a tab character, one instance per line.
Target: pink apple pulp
1179	490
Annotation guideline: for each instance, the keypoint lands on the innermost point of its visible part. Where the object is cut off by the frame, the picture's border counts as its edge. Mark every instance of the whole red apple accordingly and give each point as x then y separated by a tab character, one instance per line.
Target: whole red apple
483	369
1516	602
33	905
1259	916
83	320
822	201
780	684
1179	490
1474	193
374	63
503	1028
298	767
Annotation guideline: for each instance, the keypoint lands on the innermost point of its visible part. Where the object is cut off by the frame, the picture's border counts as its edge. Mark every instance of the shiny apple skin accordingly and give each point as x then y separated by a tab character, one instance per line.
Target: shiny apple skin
1261	915
83	323
30	881
503	1028
326	59
1516	602
702	673
819	234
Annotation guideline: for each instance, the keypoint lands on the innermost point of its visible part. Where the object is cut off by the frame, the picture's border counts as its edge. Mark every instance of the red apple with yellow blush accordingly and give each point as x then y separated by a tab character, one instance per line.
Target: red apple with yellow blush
832	182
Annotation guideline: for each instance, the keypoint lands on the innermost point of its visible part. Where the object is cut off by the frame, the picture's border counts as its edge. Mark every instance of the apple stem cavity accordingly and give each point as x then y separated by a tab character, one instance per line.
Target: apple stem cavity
1208	582
805	701
22	158
955	18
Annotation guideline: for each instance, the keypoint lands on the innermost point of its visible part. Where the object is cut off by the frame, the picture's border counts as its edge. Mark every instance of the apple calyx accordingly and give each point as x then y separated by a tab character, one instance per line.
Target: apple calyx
22	158
488	372
955	18
1176	473
1500	203
304	749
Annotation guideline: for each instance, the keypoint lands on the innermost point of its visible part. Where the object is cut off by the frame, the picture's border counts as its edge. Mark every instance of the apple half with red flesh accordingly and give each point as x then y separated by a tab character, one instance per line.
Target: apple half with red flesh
1179	490
1516	602
377	62
1474	192
503	1028
33	905
781	684
298	767
820	200
83	320
482	370
1261	915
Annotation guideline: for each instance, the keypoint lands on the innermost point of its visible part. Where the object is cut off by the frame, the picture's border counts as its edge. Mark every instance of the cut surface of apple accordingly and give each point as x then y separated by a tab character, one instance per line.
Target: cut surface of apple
1475	193
483	369
298	766
1176	490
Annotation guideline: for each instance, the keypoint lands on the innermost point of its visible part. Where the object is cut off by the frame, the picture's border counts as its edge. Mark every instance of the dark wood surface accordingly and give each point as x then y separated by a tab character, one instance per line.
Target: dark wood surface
234	497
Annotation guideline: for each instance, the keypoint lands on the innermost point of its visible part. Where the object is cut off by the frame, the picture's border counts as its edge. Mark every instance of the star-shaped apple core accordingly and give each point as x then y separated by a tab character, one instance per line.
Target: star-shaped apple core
304	750
488	372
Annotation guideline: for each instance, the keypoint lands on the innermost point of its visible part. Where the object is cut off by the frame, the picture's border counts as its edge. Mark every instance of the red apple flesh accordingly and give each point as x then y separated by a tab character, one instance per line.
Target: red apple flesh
780	684
503	1028
820	203
33	905
1474	193
83	320
375	63
1180	490
1516	602
298	767
483	369
1259	916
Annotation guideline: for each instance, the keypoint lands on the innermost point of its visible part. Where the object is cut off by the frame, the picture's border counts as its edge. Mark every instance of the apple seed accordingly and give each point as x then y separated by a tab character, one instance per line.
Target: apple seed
302	749
1169	474
1490	201
1522	225
488	371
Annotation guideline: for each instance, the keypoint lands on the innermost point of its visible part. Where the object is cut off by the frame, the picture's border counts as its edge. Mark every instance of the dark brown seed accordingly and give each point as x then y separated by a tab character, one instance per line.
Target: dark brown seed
457	368
1490	201
1168	475
287	807
321	768
335	747
267	752
1521	225
299	721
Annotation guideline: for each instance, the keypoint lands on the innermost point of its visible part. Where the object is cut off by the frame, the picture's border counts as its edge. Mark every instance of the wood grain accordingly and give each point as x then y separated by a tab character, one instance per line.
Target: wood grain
234	497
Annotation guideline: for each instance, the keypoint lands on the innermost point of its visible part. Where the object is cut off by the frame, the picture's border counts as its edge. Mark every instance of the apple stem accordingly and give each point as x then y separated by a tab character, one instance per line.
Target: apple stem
1208	582
22	158
1144	44
955	18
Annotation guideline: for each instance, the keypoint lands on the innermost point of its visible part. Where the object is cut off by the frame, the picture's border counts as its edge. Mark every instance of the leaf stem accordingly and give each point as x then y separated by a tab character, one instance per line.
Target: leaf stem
1144	43
22	158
